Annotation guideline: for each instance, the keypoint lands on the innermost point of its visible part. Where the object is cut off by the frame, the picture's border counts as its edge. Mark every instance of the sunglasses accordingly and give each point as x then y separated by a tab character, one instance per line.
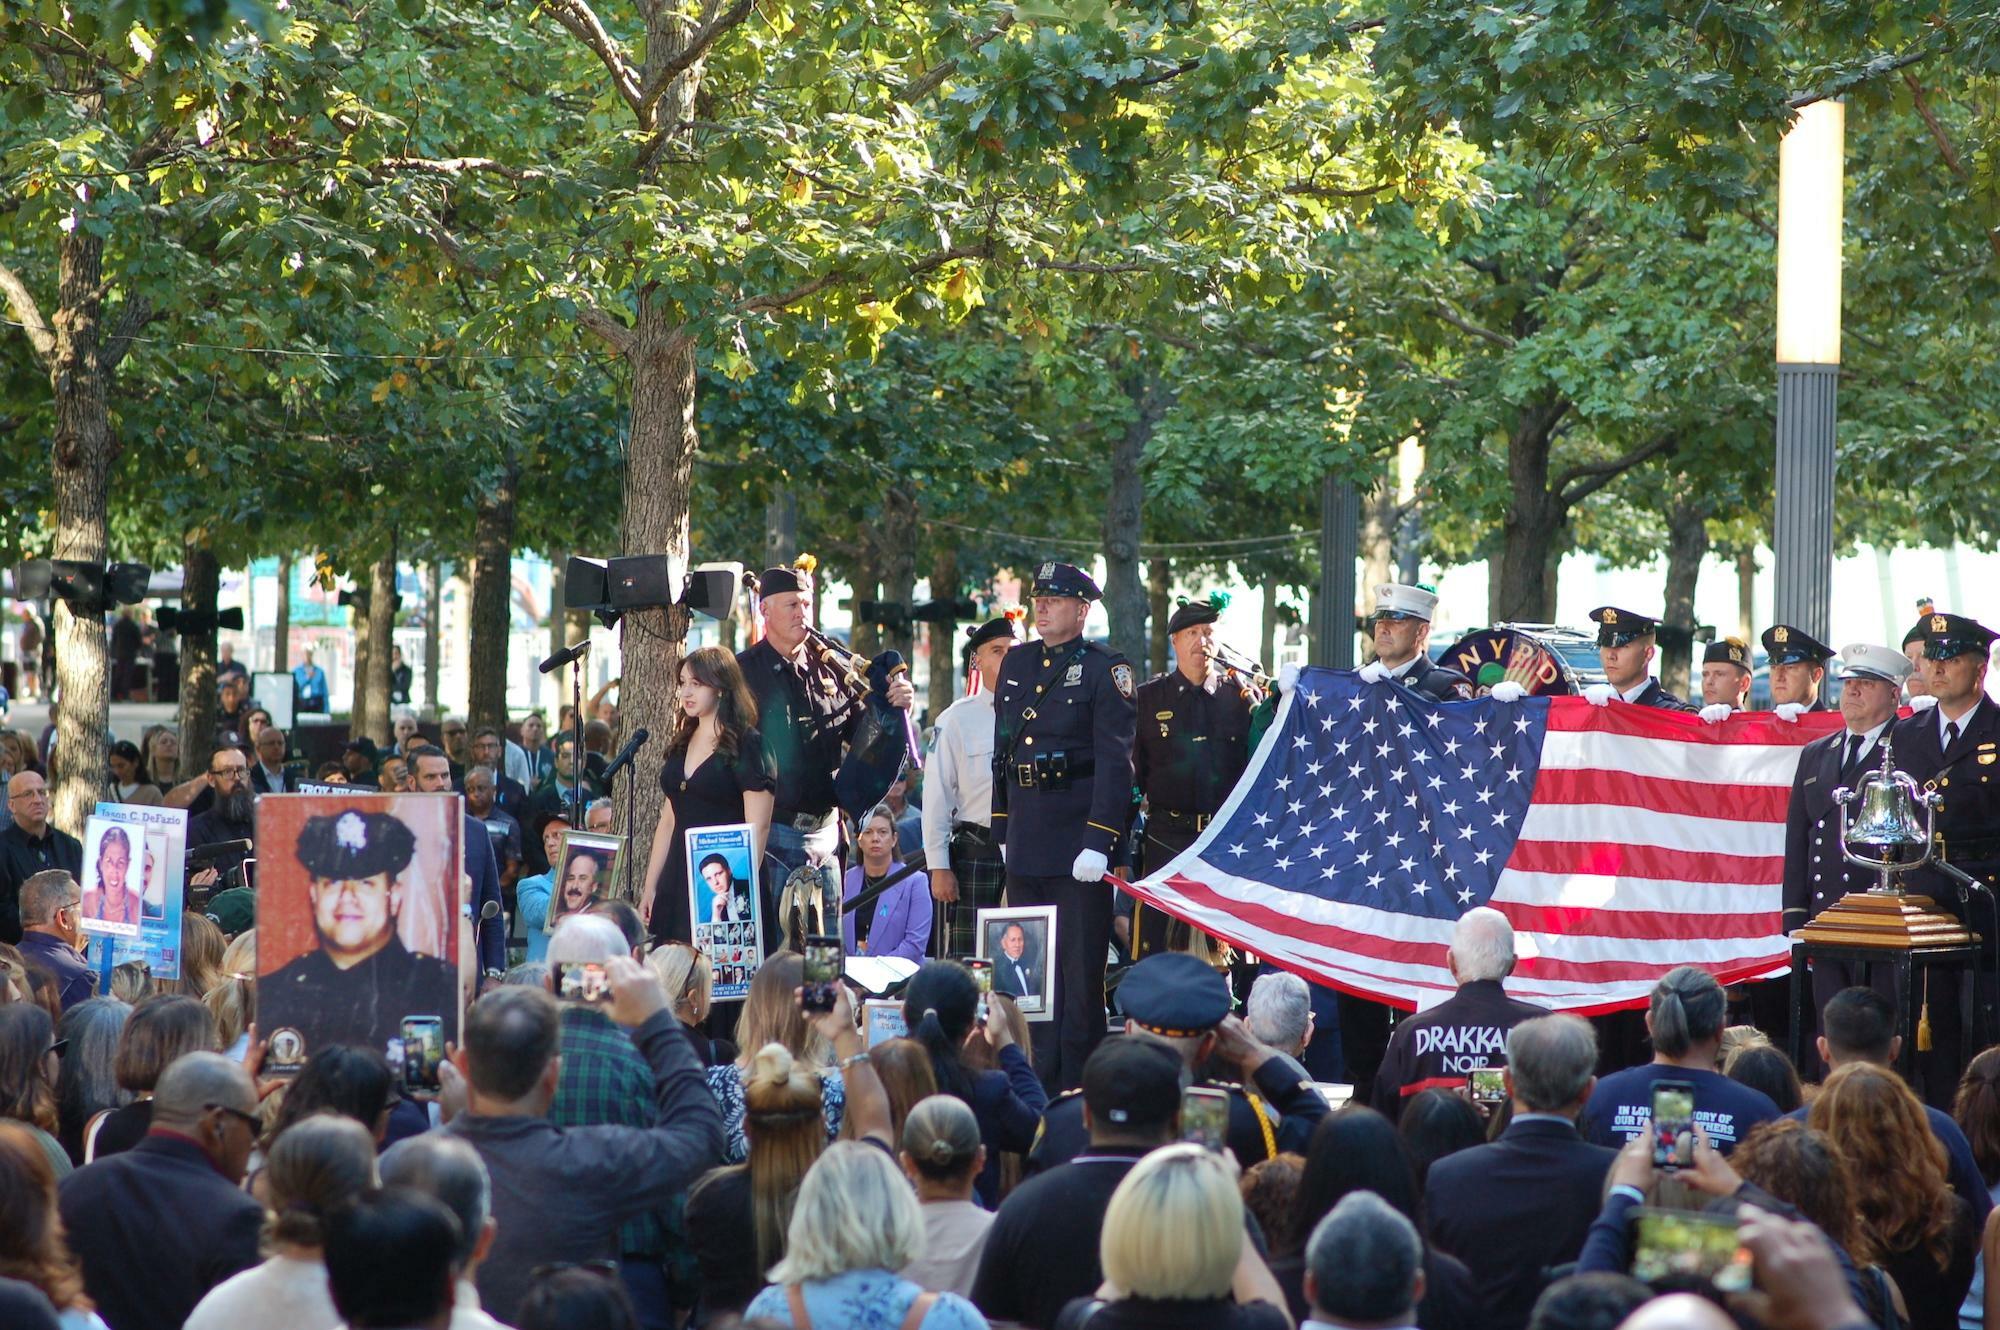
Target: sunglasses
59	1047
247	1119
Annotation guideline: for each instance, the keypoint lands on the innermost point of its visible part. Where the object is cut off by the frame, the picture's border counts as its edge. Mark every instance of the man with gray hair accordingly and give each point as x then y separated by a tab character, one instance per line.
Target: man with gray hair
159	1225
1364	1267
1279	1012
1440	1048
52	932
450	1172
1513	1208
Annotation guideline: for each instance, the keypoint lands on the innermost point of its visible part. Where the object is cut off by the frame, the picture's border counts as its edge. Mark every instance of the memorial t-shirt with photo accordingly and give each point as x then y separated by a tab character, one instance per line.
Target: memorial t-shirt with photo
1622	1106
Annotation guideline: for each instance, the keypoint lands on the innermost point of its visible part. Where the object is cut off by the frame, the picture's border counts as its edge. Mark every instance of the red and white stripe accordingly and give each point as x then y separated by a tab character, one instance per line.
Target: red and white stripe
1652	840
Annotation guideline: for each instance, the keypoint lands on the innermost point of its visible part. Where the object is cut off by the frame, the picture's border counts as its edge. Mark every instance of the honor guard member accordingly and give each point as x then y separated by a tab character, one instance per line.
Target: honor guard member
1181	999
1062	798
359	979
1193	743
1725	679
964	863
1626	645
1817	873
1401	627
806	717
1798	666
1953	750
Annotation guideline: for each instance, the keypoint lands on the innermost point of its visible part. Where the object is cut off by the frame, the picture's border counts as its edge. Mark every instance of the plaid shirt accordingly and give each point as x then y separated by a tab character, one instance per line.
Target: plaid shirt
605	1080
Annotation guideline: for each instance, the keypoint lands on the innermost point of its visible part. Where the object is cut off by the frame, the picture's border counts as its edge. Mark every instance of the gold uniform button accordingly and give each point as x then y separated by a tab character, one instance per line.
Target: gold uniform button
1029	740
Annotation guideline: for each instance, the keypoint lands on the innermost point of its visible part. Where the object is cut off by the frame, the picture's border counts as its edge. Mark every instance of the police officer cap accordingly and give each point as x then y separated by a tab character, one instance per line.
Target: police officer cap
1174	994
1949	635
1133	1081
1617	628
1786	645
1393	600
1194	613
1862	661
354	844
1727	651
976	638
1063	579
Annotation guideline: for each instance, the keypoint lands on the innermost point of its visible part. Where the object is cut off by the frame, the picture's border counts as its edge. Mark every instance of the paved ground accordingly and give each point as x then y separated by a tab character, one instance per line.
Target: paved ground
128	719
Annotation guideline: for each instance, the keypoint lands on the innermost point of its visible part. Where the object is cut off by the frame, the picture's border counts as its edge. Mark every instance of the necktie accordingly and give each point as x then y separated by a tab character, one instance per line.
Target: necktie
1950	734
1854	750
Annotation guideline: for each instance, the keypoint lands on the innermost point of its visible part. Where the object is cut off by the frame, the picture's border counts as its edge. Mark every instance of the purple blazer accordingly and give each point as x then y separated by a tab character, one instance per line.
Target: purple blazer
902	924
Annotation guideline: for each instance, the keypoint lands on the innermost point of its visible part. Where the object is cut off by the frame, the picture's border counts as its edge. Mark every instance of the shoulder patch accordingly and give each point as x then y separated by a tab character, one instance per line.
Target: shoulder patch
1121	677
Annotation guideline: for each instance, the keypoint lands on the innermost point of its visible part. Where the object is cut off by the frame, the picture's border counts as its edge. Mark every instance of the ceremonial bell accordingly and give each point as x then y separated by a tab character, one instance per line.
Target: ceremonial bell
1882	816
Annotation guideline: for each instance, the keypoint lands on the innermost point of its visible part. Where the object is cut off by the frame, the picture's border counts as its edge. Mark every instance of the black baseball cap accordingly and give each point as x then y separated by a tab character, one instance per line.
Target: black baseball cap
1133	1080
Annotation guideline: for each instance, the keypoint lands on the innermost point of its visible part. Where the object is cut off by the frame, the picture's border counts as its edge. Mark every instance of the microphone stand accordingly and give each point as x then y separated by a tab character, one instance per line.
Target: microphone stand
631	813
576	753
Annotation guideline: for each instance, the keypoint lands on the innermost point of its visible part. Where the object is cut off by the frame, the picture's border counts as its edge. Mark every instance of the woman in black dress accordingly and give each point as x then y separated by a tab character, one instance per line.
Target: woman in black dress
716	773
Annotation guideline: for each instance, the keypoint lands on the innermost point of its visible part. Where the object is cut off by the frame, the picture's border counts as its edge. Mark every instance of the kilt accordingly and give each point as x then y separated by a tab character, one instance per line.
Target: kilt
982	881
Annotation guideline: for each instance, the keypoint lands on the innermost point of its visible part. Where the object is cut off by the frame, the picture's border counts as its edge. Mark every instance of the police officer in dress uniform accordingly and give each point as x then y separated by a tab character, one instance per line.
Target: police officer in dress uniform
1817	873
965	869
1798	666
1181	999
1401	627
1062	796
1193	743
359	981
1626	645
1953	749
1725	677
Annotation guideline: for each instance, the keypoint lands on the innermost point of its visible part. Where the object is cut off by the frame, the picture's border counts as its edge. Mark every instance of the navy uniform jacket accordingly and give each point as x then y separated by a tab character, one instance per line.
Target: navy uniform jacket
363	1005
1967	782
1817	874
1193	741
1427	678
1081	696
806	721
1278	1117
1658	697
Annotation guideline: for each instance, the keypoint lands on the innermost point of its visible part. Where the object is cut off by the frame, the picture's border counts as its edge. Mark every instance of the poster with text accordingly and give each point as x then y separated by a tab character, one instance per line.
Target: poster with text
161	875
724	905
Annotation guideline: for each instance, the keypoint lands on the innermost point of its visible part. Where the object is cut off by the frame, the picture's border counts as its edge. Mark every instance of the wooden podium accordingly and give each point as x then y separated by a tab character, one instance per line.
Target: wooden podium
1893	921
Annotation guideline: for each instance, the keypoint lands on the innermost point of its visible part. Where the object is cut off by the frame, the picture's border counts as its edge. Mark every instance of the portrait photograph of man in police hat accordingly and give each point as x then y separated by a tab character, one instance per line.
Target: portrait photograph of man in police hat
358	920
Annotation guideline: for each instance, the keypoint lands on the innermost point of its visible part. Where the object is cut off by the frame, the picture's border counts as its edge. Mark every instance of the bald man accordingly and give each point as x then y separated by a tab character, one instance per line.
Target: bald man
30	845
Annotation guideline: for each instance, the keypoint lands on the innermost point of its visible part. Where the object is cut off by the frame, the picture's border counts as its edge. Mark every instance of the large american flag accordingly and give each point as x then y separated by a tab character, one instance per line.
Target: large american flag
1621	841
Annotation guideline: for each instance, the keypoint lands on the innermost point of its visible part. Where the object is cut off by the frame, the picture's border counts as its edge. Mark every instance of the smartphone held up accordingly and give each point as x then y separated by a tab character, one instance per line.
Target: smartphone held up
824	962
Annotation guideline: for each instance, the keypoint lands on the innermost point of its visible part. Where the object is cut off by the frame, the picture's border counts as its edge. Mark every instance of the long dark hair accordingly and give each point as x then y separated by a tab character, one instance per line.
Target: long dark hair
939	1007
345	1079
735	707
1356	1149
26	1033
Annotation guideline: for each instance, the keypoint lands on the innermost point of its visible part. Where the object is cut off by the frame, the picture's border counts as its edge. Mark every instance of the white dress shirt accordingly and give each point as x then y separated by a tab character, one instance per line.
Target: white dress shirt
958	778
1963	722
1633	693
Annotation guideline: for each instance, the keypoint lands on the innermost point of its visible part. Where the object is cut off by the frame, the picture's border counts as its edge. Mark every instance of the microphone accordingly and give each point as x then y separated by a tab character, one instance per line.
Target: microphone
564	657
627	753
222	849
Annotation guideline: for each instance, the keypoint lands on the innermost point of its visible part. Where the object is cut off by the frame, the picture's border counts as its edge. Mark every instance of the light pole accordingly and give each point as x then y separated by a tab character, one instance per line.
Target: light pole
1339	548
1809	204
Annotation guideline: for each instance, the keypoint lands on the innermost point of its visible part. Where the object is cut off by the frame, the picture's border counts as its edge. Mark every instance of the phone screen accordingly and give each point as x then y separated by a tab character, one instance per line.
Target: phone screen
1205	1117
1688	1244
1673	1115
423	1050
1487	1085
982	973
823	965
582	981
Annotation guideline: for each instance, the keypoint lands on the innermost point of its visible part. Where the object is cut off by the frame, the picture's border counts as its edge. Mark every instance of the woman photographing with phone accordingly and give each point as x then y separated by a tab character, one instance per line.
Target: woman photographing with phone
715	774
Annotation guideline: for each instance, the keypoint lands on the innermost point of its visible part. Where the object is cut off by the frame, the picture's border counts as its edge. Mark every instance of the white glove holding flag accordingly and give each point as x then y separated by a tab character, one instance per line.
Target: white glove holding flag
1507	690
1789	712
1090	866
1374	672
1717	712
1599	694
1923	702
1288	677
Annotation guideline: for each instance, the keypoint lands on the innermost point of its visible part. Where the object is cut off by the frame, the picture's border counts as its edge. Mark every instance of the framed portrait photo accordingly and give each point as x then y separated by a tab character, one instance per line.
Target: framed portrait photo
724	905
586	872
115	864
1021	943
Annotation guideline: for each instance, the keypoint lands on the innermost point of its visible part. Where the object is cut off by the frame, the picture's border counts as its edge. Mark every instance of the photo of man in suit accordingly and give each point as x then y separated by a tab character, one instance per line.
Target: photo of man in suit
1017	968
729	896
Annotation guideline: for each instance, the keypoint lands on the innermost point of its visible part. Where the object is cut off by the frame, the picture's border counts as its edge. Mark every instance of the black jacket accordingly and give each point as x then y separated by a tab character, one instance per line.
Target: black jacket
157	1227
1659	698
1817	874
1515	1207
1439	683
1439	1048
21	857
1967	782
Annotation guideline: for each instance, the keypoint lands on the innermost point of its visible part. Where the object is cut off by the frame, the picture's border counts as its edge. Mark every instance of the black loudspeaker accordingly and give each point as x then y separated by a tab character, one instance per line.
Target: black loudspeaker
584	584
643	582
711	589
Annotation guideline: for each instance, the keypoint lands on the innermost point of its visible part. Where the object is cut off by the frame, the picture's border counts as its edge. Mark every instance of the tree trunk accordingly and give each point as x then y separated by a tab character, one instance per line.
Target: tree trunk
281	633
374	681
1534	532
1267	630
1159	610
492	594
84	452
1687	545
1125	515
433	634
944	637
1746	594
899	569
1379	524
866	584
781	526
200	588
364	658
659	466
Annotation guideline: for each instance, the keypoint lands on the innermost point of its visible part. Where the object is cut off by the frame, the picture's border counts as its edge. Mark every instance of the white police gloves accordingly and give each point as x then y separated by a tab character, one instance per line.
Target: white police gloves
1090	866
